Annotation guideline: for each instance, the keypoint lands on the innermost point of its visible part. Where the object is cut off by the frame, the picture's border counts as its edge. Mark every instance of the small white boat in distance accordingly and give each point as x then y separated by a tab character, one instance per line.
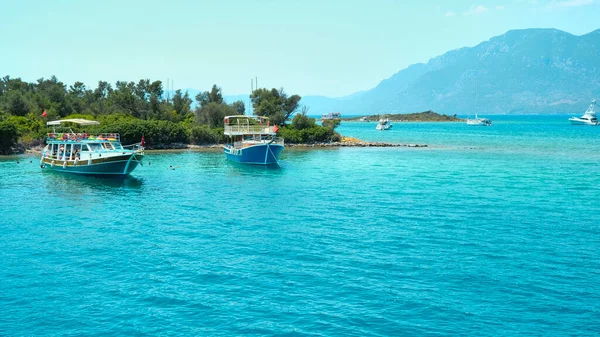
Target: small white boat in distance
588	118
364	119
331	115
384	124
478	121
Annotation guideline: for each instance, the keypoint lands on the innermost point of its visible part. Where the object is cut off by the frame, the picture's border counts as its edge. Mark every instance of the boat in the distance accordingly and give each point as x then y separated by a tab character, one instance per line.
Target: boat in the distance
588	118
477	121
88	154
384	124
252	140
331	115
364	119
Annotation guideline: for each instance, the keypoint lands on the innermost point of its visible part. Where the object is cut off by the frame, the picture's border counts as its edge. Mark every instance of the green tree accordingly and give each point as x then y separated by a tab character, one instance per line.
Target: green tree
125	99
274	104
16	104
239	107
331	123
301	121
78	97
212	96
181	103
9	135
213	114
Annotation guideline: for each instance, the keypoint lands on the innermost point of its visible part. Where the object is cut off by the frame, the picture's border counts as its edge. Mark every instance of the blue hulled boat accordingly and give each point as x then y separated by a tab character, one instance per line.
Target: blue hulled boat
252	140
88	154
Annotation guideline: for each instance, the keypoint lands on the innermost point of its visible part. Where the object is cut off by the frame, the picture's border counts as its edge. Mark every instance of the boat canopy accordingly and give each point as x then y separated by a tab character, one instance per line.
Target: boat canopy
79	121
239	125
258	118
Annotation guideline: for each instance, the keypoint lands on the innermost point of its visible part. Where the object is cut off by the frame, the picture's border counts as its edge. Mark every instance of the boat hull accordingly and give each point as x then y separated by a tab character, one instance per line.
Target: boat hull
260	154
121	165
578	121
479	122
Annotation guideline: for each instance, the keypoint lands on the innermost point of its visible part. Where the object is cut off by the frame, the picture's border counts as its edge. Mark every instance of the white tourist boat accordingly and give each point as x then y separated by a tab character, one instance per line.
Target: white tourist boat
364	119
86	153
384	124
252	140
588	118
478	121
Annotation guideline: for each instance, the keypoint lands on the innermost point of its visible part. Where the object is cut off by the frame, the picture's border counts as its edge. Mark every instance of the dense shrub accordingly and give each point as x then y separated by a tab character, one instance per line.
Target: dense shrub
32	131
313	134
300	122
9	135
202	135
154	131
331	123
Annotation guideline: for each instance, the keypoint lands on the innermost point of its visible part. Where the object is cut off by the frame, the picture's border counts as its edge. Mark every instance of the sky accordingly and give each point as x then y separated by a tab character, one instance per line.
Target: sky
309	47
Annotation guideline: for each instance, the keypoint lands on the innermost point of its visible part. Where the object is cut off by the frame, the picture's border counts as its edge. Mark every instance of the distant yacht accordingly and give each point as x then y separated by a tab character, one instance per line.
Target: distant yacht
478	121
364	119
331	115
588	118
384	124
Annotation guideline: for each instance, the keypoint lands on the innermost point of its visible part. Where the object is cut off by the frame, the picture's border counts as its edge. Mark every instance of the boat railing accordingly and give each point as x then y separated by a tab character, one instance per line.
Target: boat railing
246	143
134	147
240	129
70	136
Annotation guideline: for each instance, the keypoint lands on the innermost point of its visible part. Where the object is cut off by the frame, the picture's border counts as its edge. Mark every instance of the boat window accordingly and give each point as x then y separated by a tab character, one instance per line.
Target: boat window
95	146
117	145
107	146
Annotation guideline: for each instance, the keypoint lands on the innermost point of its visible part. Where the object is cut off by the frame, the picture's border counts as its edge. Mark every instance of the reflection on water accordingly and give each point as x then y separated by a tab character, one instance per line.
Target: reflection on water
238	169
77	185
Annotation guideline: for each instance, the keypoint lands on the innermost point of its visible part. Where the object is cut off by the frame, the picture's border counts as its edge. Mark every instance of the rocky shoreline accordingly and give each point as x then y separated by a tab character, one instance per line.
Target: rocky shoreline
355	144
345	143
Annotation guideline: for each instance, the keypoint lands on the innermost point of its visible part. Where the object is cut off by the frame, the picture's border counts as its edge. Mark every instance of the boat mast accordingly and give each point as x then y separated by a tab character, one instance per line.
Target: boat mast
476	96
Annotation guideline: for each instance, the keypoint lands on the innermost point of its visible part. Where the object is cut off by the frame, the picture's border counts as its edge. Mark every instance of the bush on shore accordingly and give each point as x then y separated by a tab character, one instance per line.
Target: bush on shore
9	135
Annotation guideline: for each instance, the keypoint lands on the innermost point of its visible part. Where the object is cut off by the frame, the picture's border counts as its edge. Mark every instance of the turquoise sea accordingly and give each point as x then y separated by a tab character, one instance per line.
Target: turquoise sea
490	231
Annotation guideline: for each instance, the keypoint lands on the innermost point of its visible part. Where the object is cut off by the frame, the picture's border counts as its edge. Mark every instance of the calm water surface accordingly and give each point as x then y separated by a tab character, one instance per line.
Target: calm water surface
489	231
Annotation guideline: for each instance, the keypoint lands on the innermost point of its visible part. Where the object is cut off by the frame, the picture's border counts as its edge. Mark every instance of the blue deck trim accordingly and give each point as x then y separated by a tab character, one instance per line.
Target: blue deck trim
260	154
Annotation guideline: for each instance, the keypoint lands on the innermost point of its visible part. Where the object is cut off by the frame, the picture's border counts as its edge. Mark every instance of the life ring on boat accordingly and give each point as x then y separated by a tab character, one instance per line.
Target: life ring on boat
52	164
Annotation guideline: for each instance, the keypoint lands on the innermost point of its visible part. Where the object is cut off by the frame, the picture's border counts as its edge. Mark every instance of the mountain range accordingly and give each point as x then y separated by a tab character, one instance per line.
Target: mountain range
529	71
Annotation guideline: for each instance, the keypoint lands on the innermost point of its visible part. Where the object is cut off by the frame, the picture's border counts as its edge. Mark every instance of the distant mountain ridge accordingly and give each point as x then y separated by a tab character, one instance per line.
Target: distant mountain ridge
528	71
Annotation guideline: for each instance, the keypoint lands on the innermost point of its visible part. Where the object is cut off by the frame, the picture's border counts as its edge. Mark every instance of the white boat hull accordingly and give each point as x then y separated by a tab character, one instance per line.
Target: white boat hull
588	118
479	122
384	127
579	121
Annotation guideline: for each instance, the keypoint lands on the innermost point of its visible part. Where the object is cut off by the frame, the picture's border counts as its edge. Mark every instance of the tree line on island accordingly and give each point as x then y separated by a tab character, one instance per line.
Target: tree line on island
142	108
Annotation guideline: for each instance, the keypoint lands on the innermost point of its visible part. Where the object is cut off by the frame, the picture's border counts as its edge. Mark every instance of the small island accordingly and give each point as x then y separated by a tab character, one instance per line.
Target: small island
425	116
166	120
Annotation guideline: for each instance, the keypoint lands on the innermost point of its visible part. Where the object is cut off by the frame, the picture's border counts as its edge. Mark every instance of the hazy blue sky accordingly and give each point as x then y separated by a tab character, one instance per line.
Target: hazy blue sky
320	47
